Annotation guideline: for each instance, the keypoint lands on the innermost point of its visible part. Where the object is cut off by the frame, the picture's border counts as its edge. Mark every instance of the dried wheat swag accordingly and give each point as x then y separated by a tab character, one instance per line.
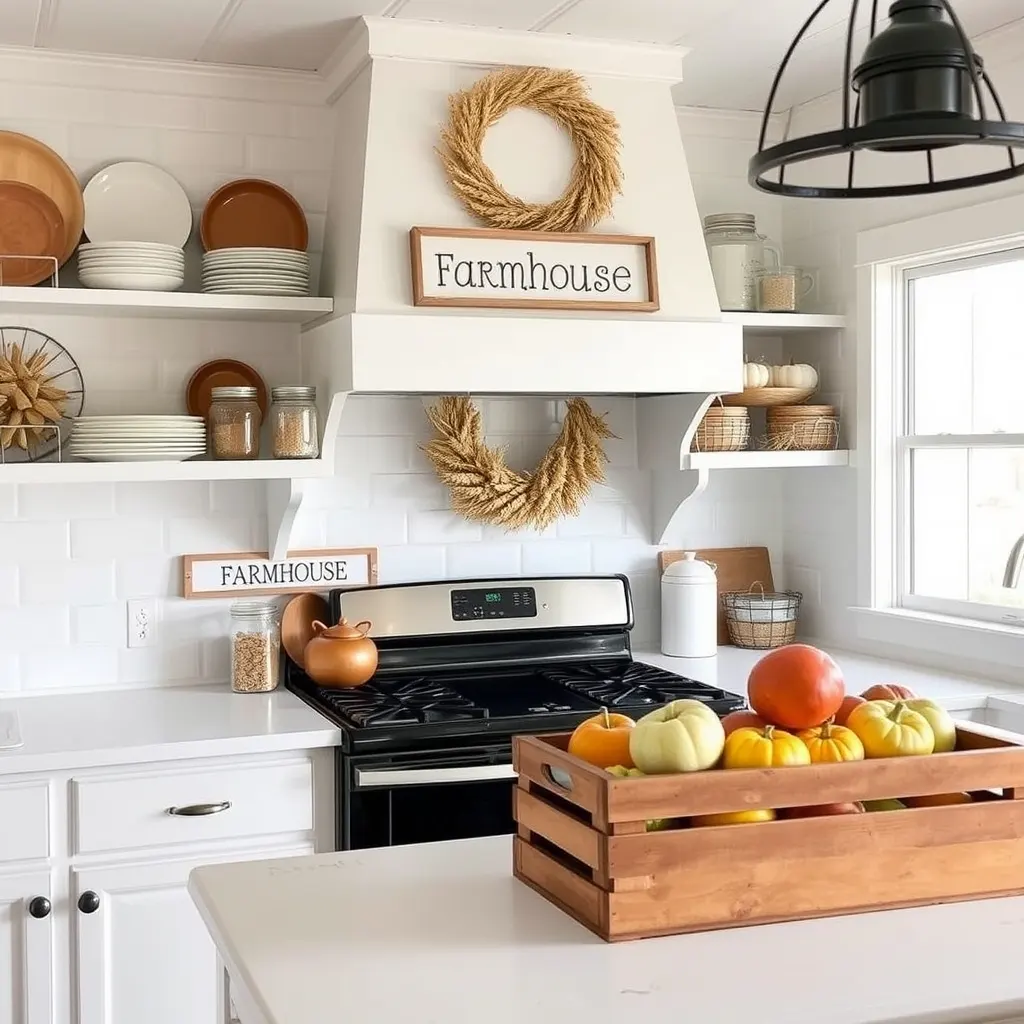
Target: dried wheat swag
486	490
596	176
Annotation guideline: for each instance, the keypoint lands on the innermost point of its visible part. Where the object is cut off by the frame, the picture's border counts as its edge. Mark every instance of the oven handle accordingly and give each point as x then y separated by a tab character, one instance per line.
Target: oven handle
393	778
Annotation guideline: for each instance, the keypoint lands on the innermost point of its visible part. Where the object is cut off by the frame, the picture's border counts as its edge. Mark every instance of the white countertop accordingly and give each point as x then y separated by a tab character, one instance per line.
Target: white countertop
123	726
443	934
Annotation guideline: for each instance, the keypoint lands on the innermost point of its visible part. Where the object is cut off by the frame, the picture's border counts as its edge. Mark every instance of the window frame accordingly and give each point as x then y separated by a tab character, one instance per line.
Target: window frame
884	256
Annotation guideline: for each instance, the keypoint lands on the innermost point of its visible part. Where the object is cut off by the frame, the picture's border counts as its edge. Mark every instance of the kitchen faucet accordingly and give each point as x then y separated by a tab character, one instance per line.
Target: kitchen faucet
1011	578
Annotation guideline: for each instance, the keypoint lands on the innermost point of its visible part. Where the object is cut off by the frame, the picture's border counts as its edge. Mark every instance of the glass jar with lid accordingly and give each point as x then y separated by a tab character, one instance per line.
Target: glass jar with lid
737	252
255	646
235	420
294	424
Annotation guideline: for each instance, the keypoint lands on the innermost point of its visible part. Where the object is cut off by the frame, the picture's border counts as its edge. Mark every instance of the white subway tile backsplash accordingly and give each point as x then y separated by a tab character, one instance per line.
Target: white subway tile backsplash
90	501
186	498
104	624
9	586
153	576
8	501
598	519
211	533
346	529
408	490
74	667
25	628
242	116
179	663
25	541
549	558
204	149
73	582
116	538
272	155
363	455
91	146
10	677
471	560
410	562
441	528
629	556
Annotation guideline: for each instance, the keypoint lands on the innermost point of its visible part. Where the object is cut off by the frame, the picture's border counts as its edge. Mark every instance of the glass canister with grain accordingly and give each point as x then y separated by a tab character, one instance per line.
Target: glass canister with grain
255	646
294	424
234	423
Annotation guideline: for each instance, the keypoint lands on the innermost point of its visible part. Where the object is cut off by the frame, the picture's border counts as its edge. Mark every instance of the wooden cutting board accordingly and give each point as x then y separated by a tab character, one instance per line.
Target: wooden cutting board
738	569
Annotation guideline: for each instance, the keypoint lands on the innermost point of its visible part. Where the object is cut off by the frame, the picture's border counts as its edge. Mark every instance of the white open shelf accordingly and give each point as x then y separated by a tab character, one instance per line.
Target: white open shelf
147	472
178	305
766	459
771	324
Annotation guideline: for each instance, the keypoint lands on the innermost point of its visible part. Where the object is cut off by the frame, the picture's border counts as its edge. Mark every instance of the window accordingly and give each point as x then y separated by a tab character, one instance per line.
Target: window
959	424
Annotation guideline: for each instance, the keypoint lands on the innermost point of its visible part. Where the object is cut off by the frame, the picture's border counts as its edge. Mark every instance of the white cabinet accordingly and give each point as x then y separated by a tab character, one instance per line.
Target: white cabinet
26	948
144	954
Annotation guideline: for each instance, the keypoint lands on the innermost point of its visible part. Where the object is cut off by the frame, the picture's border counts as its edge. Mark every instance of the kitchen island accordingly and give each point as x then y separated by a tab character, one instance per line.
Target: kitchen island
443	934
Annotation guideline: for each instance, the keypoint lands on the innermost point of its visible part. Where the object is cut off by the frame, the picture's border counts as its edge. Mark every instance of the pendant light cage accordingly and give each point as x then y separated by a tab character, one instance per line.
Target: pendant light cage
923	134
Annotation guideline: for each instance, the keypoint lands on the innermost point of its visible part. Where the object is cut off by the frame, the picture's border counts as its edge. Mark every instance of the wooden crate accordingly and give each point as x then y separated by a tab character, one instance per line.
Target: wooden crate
582	840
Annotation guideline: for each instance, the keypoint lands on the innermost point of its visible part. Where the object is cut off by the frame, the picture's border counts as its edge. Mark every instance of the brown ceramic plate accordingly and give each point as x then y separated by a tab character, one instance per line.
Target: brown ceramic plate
252	212
222	373
30	225
27	160
297	623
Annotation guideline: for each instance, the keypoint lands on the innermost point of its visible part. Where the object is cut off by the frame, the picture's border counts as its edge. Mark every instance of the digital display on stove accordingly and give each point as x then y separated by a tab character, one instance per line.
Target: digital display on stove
504	603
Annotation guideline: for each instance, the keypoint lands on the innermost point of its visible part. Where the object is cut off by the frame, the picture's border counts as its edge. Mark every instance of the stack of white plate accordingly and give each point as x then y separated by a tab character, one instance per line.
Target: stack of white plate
256	271
138	438
141	266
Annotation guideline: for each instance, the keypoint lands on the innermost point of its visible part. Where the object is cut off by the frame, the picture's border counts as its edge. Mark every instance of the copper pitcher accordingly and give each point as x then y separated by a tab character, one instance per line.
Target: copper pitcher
340	656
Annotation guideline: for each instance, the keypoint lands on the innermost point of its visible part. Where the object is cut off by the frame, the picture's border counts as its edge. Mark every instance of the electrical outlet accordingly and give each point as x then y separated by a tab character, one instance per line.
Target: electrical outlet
142	623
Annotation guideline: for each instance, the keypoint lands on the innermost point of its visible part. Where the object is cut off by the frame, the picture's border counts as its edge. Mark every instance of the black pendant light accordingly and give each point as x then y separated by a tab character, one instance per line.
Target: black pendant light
920	87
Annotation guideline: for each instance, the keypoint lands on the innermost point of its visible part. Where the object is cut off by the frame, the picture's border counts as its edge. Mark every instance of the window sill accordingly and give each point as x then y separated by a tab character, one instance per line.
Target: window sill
989	648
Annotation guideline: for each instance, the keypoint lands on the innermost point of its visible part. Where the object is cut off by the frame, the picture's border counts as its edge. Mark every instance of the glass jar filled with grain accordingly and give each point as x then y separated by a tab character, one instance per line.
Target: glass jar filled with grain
255	646
294	424
235	421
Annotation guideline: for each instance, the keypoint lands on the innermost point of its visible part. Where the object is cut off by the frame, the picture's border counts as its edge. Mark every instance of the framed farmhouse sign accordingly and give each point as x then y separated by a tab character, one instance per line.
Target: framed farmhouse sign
533	270
253	573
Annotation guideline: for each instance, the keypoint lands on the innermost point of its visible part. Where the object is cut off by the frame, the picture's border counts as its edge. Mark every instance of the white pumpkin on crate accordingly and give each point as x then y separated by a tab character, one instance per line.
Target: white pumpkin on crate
756	375
793	375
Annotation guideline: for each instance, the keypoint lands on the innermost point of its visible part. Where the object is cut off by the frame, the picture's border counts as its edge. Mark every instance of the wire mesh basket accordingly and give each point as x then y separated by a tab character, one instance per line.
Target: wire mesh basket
802	428
722	430
761	620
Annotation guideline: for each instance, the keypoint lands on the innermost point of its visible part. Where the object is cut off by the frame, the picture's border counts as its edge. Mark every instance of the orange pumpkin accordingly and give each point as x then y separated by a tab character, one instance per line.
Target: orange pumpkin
603	740
796	687
888	691
938	800
850	701
830	744
742	720
821	810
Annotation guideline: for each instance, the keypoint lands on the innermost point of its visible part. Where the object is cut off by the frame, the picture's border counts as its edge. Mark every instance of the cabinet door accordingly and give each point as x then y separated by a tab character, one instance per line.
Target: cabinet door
144	953
26	950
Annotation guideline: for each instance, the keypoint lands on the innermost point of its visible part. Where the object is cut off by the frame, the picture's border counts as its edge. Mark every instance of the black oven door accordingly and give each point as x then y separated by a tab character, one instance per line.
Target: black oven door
424	797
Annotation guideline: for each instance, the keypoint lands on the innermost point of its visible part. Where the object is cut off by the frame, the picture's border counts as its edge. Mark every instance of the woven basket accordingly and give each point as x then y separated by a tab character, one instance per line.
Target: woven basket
722	430
760	620
802	428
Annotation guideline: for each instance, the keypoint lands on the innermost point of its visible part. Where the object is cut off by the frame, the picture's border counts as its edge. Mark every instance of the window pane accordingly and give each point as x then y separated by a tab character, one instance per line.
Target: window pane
967	512
968	353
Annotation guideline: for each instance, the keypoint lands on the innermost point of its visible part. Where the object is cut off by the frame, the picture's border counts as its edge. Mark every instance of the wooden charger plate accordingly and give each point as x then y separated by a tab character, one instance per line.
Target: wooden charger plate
31	224
251	213
761	397
297	623
222	373
28	161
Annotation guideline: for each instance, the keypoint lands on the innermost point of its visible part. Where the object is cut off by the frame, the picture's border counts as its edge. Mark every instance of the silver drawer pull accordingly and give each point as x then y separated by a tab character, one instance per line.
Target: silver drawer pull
198	810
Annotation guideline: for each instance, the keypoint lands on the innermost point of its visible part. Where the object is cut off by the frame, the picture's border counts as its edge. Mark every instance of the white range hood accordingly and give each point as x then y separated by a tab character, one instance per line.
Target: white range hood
389	86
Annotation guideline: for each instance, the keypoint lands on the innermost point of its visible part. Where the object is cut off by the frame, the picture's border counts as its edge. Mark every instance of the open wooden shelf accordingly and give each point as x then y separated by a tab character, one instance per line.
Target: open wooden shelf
766	459
773	324
145	472
177	305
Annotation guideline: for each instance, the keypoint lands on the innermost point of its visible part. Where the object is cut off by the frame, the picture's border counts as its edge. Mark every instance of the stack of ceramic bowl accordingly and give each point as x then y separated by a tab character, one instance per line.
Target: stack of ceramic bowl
138	438
256	270
141	266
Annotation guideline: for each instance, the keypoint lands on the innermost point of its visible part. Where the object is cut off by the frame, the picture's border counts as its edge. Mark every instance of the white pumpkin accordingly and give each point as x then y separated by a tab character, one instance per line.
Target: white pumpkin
794	375
756	375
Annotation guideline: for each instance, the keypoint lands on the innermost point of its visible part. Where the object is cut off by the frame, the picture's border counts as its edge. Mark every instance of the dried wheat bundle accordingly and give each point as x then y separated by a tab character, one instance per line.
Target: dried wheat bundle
486	490
596	176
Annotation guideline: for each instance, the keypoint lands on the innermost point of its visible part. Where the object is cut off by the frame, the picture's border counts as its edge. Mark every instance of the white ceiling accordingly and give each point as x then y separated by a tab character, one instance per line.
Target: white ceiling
736	44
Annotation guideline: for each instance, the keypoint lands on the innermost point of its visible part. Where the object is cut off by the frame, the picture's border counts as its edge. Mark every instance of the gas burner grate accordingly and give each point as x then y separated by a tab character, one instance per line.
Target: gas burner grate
638	685
404	702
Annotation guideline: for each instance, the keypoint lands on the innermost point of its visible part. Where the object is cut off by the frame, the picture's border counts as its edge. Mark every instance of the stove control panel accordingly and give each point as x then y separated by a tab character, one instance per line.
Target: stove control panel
494	603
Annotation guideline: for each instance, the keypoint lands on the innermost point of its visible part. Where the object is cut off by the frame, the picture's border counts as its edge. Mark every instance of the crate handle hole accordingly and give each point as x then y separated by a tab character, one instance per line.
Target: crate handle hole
558	777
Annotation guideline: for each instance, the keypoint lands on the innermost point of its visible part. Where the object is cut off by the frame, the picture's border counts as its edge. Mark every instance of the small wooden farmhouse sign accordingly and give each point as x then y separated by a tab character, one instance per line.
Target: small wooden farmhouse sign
533	270
250	572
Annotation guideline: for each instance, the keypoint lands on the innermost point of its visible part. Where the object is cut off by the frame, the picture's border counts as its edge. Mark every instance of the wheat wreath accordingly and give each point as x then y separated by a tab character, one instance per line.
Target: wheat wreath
486	490
596	175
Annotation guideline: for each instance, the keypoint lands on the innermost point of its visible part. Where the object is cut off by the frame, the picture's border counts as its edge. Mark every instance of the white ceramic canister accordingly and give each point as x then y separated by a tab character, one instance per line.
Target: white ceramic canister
689	609
737	253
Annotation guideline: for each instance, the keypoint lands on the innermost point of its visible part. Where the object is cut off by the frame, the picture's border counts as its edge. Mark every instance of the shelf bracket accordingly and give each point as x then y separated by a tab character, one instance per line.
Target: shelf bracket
284	499
665	428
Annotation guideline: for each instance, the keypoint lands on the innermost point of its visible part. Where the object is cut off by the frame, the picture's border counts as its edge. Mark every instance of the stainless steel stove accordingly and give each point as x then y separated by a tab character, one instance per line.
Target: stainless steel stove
465	665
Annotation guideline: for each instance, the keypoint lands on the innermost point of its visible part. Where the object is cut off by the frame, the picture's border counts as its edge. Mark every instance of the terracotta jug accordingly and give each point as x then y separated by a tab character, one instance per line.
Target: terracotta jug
340	656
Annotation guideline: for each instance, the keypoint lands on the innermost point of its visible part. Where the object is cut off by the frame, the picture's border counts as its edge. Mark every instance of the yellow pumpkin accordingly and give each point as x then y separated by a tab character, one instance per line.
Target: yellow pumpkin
764	748
941	722
830	743
890	729
734	817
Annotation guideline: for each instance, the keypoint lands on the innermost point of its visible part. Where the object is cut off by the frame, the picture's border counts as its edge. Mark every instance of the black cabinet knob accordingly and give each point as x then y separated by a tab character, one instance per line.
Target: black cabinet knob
39	906
88	902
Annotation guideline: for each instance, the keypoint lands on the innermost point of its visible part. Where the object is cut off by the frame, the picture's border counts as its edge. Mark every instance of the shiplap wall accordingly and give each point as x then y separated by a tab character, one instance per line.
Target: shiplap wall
71	557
